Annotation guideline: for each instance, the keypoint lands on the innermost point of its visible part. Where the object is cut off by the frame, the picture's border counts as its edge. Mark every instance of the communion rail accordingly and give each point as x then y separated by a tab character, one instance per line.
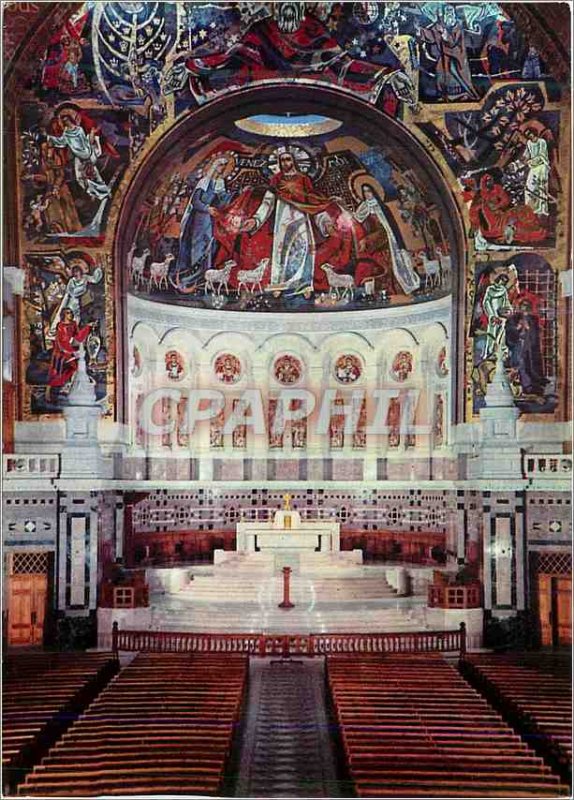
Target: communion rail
285	645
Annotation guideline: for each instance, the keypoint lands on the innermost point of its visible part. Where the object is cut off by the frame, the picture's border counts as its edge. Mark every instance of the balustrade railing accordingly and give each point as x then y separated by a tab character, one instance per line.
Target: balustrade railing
536	465
548	466
30	466
285	645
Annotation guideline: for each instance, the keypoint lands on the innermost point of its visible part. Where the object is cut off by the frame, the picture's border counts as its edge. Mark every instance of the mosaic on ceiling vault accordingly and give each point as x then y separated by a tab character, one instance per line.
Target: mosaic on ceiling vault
289	214
136	54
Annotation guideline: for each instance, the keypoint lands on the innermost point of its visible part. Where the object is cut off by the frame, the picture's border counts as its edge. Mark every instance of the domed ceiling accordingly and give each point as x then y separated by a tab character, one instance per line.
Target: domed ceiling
289	212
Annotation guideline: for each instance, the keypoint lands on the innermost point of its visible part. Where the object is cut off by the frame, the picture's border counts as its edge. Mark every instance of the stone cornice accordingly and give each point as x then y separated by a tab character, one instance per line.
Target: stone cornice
94	485
162	315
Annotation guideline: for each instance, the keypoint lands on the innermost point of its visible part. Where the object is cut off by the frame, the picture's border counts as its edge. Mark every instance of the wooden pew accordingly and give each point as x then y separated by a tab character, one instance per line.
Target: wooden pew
412	726
43	693
164	725
533	691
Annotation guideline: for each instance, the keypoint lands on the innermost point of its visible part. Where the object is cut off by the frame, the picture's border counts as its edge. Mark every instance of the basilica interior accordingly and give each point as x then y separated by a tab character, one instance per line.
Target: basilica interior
287	458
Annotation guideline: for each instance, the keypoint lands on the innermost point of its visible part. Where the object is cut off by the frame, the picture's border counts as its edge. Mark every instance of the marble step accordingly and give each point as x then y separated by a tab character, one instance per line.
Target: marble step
302	596
296	620
326	590
206	611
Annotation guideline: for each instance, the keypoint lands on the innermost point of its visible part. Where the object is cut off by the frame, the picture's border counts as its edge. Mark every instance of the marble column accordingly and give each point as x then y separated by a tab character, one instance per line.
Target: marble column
504	552
77	553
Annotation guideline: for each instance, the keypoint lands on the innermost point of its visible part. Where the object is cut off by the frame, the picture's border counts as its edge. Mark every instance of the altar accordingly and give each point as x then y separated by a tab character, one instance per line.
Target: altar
288	540
286	531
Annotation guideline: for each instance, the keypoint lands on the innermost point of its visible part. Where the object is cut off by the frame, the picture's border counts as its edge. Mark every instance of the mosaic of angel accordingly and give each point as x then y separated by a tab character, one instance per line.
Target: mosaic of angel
64	311
70	161
506	156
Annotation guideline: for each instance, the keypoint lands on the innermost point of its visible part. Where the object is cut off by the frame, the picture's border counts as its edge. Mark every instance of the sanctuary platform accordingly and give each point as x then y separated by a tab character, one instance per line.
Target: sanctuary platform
330	591
226	599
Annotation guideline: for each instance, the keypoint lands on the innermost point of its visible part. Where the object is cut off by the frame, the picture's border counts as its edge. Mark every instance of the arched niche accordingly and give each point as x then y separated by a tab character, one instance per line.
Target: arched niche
209	121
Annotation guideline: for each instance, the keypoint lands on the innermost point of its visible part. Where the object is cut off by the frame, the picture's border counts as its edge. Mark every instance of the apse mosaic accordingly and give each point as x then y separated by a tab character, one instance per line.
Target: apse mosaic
227	368
442	363
289	213
402	366
174	366
136	363
287	370
294	212
348	368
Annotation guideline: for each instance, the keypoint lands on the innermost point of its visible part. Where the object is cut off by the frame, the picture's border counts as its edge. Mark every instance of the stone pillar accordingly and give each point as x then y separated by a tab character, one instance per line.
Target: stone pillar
119	526
460	532
474	528
499	455
504	552
402	585
205	467
468	528
370	465
13	288
77	553
81	453
521	547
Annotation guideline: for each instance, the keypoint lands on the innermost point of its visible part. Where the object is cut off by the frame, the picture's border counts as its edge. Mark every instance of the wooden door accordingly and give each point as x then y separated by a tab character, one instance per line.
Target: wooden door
555	610
563	605
27	609
545	609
